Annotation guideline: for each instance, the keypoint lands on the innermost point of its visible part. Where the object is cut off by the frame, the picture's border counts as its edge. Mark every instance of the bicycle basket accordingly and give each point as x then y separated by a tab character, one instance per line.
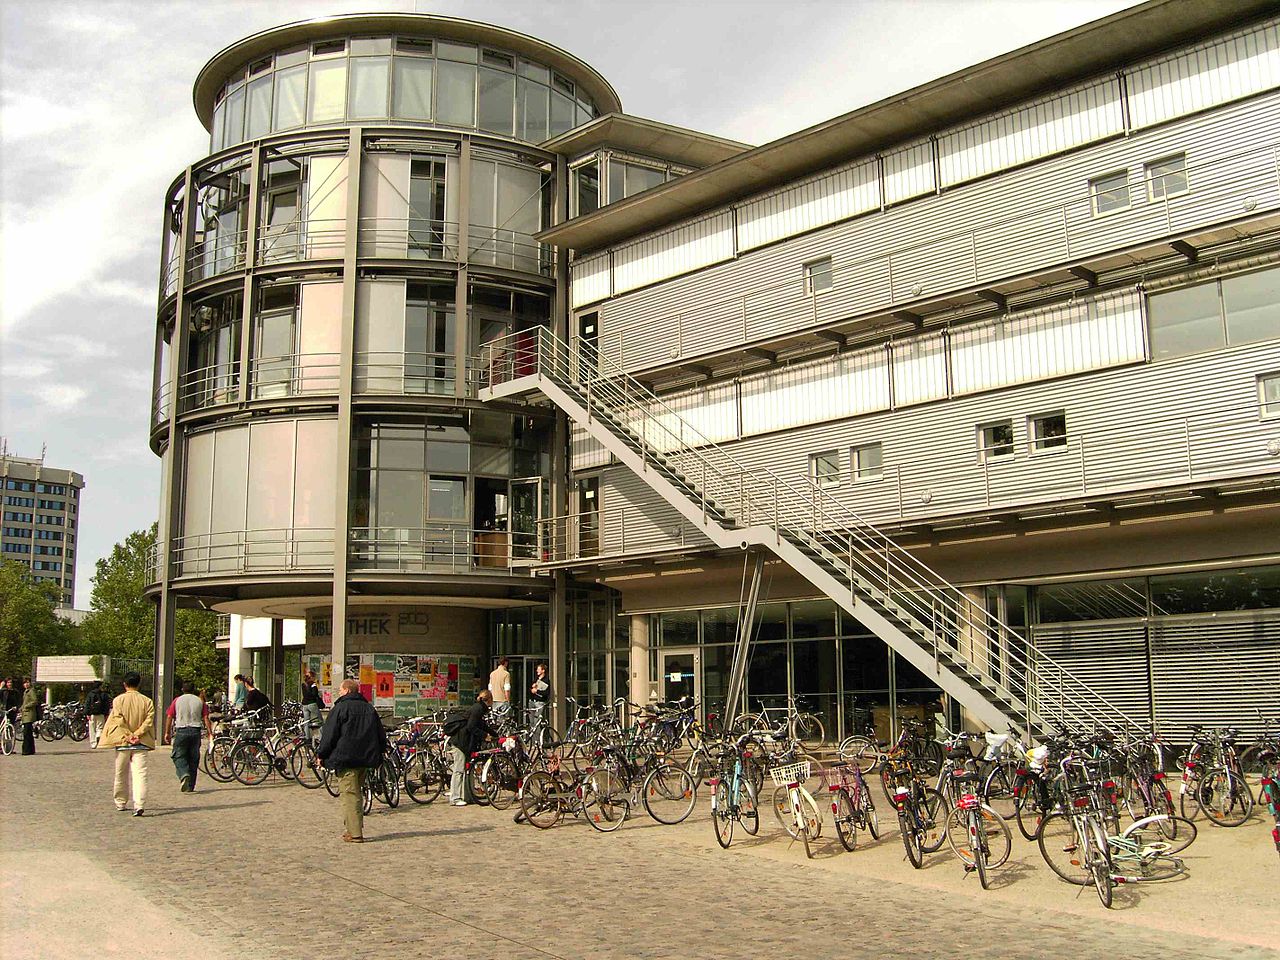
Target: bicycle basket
790	773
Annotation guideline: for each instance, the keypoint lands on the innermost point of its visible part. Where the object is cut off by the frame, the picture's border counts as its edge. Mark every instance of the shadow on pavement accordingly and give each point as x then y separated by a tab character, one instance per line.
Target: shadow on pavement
219	806
408	834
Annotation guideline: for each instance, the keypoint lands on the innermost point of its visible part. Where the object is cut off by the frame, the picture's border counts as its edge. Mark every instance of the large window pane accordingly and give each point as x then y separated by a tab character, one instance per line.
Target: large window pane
1185	321
767	676
215	138
1254	588
587	193
368	96
531	111
328	91
456	96
519	200
271	476
496	101
291	97
562	113
678	628
1092	600
771	621
398	498
720	625
313	483
411	89
447	498
813	618
259	120
1253	306
235	118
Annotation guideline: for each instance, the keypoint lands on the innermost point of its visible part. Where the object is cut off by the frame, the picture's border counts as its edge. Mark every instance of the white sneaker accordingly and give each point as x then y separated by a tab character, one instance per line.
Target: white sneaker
459	803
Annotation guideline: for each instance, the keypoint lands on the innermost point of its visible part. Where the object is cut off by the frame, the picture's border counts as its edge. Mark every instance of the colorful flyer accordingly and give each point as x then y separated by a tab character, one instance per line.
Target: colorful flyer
385	684
368	676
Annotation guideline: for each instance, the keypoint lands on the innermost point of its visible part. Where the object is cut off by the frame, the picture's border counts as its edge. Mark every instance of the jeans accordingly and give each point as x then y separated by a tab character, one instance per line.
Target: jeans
133	763
186	753
458	782
96	722
349	784
501	709
311	714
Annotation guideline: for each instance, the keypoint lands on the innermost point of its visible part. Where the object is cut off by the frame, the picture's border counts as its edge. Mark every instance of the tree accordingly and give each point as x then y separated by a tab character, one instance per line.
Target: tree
121	621
28	625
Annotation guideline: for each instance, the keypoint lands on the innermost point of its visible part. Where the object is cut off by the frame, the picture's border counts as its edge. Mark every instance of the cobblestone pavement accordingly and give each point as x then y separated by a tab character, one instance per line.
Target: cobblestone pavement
230	871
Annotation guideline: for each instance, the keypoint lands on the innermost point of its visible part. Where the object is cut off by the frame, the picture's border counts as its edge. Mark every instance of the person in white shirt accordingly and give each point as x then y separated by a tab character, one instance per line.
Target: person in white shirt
500	688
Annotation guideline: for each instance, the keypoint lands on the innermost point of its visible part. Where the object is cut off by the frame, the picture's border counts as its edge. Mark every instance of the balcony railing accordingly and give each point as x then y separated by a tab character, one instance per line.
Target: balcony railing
408	372
218	253
274	550
510	250
294	375
315	238
160	401
210	386
408	238
441	548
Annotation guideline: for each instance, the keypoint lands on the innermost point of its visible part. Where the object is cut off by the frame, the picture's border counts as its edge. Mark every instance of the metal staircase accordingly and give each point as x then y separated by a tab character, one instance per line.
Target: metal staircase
952	639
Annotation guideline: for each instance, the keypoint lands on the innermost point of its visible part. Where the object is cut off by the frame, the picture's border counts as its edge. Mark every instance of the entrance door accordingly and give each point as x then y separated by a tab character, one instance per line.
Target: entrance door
525	512
680	674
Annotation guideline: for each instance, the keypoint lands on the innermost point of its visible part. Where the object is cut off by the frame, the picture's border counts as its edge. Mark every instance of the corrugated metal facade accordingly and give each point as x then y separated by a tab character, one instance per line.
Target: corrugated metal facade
1182	421
834	196
908	172
589	279
688	247
1213	73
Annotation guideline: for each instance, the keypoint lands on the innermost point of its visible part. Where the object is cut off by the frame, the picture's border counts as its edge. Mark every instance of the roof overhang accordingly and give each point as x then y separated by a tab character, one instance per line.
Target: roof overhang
647	138
215	72
1089	50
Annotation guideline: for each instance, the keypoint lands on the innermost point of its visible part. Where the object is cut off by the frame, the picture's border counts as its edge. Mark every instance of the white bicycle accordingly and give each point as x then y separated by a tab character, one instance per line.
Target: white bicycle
794	805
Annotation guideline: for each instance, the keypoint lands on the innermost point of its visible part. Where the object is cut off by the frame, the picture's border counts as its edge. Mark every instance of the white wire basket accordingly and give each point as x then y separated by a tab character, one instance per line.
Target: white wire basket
790	773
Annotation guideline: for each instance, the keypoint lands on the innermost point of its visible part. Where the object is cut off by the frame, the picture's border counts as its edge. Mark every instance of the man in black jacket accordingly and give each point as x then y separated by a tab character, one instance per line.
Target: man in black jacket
353	740
470	739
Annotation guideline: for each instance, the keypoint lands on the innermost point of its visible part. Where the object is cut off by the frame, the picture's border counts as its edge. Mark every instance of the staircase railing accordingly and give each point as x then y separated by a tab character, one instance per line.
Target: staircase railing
941	618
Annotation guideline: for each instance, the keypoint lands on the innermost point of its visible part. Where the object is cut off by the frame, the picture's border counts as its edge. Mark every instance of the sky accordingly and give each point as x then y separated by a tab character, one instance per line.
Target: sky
96	121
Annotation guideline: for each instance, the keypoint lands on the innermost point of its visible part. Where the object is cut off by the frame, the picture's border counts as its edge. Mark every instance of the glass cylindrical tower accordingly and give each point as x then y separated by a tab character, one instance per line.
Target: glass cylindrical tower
364	222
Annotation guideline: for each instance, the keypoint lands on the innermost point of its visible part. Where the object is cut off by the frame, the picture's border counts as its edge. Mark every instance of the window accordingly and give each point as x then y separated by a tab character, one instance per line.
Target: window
824	468
368	93
291	97
1167	177
817	276
1048	431
1269	395
1110	192
496	101
628	179
586	195
995	440
456	93
868	462
1252	306
1185	321
328	88
411	89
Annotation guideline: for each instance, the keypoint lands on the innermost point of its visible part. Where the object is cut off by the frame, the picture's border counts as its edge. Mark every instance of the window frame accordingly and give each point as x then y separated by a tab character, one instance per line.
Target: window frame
829	482
1150	180
1047	445
859	474
1095	192
1263	412
988	454
808	272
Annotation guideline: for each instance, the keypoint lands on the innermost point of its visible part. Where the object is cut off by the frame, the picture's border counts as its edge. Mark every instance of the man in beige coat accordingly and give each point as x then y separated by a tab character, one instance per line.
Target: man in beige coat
130	731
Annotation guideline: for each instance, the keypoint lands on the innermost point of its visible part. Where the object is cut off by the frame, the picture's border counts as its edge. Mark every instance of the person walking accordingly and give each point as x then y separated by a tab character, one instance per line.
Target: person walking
130	732
500	689
465	742
183	721
97	705
29	714
539	694
311	704
353	740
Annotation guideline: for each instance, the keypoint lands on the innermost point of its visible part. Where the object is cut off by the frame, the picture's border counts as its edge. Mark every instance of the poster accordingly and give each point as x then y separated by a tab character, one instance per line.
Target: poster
366	691
368	676
353	667
384	686
406	667
385	662
406	706
404	688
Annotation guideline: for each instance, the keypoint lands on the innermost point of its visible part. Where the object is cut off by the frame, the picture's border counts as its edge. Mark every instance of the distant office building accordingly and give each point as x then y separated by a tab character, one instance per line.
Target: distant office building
41	518
456	360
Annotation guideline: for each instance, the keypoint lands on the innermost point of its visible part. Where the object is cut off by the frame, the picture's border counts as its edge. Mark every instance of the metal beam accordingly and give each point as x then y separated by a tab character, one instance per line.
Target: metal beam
1186	249
1085	274
761	353
699	369
839	339
742	650
993	296
908	316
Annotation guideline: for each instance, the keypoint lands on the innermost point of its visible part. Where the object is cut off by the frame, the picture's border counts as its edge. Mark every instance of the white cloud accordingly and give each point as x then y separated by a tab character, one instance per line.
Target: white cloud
61	396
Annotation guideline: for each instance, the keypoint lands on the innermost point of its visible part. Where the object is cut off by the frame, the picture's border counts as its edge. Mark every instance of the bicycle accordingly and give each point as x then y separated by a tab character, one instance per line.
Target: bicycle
8	732
852	808
733	797
546	797
794	806
987	841
802	724
918	807
1270	761
1074	843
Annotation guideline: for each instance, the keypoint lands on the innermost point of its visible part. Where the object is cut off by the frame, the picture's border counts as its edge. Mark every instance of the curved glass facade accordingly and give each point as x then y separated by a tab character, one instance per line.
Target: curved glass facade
420	80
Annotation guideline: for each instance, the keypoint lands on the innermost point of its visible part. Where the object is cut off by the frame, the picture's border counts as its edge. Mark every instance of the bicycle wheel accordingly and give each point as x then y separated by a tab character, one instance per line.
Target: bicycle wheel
366	791
390	777
1100	862
993	836
912	836
538	800
997	787
932	808
869	816
217	760
251	763
330	782
1172	834
721	815
475	778
669	793
420	783
1062	849
749	807
1189	799
1225	798
861	750
1029	809
306	767
842	814
78	729
807	840
809	729
980	864
602	801
49	731
502	781
8	740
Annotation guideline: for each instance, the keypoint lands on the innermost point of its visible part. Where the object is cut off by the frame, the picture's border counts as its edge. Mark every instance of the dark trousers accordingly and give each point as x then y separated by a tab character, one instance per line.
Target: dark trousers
186	753
28	739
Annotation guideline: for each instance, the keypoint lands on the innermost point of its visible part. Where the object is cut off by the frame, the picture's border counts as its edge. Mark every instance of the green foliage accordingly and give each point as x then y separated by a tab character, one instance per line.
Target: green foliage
121	621
28	626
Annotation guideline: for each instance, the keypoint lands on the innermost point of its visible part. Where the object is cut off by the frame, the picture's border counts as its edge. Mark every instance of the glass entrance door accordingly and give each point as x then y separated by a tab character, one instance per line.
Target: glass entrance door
680	674
525	512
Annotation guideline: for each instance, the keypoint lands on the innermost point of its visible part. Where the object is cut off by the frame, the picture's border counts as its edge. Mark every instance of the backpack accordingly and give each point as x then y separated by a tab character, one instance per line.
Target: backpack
455	721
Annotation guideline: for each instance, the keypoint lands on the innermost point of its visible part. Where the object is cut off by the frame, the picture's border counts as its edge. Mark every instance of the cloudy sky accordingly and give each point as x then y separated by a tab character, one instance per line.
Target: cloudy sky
96	120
